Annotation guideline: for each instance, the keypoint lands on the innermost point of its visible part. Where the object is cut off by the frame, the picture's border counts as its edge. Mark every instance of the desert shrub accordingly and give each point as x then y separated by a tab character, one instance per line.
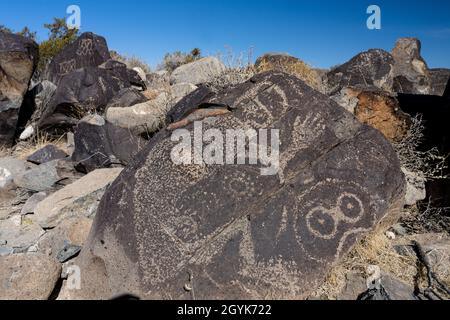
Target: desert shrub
25	32
176	59
131	61
430	164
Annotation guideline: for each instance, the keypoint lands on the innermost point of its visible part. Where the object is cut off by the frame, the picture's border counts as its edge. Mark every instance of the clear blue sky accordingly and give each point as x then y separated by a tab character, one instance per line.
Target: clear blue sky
323	33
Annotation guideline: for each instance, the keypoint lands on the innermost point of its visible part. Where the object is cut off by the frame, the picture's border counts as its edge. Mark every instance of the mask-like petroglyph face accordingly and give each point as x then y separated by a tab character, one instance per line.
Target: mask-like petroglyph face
85	48
67	67
320	228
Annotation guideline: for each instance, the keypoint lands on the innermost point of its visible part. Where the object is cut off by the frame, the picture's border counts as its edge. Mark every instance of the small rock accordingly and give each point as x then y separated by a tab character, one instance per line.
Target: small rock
40	178
355	285
437	249
71	231
46	154
415	188
27	133
396	288
33	249
32	202
141	73
70	143
13	167
125	98
19	236
399	229
68	252
28	277
180	90
5	251
79	199
390	235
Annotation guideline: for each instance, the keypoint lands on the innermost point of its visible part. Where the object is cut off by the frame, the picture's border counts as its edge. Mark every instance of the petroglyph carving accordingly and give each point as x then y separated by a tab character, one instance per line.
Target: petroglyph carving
67	67
304	133
320	228
85	48
323	222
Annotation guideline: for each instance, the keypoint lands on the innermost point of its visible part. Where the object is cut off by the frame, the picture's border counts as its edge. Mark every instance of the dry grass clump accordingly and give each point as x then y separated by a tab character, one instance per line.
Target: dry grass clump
376	249
41	139
238	69
4	151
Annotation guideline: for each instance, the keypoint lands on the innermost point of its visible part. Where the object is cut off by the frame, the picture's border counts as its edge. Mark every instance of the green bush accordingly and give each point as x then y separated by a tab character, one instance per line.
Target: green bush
59	37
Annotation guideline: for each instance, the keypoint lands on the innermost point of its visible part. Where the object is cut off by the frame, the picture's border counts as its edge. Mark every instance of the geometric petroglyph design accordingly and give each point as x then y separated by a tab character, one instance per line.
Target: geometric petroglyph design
85	48
67	67
323	222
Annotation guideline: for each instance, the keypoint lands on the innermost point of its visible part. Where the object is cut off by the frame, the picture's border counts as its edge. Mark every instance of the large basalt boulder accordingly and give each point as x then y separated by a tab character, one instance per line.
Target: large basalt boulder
227	231
198	72
100	144
87	90
369	70
142	119
18	60
410	69
89	50
289	64
440	80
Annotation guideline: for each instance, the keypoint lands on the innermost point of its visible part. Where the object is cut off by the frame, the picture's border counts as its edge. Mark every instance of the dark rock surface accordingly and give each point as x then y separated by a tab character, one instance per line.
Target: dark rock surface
88	90
126	98
46	154
368	70
439	80
193	100
89	50
410	69
99	144
18	60
227	232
